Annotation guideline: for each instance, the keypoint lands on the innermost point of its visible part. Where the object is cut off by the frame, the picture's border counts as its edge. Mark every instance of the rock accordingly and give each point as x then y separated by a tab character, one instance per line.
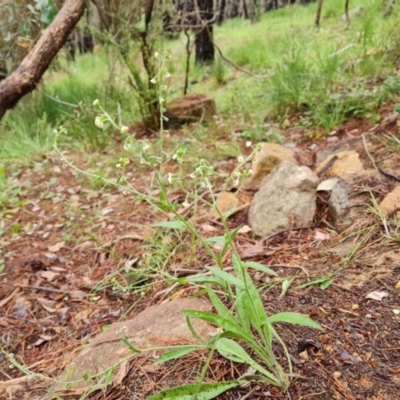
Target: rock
189	108
285	197
345	165
226	202
156	326
343	145
339	206
265	160
391	203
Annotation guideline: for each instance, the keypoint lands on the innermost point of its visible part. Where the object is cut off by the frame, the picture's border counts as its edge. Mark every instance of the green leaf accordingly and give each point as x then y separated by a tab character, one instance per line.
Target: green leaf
285	286
324	285
254	304
293	318
235	352
181	351
223	323
195	391
225	276
260	267
193	331
232	351
127	343
216	239
322	282
207	279
171	224
222	310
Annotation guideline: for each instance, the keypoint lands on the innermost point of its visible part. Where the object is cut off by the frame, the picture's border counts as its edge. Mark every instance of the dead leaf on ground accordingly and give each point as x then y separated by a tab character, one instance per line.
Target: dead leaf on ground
49	275
252	251
208	228
56	247
378	296
244	229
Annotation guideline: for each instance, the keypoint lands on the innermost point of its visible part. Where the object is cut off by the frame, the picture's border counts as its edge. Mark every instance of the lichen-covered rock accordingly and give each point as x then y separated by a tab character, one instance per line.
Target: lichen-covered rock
265	160
345	165
391	203
286	198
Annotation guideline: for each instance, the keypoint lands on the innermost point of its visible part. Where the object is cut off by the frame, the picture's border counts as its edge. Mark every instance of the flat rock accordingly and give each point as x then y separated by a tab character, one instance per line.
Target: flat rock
391	203
345	165
265	160
286	197
158	326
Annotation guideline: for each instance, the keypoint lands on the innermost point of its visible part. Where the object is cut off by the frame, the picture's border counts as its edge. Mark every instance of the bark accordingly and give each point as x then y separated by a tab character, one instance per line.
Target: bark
318	15
221	12
29	73
204	43
346	10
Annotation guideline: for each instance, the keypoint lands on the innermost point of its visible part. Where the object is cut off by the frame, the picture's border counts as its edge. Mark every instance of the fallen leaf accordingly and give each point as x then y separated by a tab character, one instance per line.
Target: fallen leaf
327	185
244	229
46	337
56	247
378	296
51	256
21	306
121	374
49	275
255	250
320	235
208	228
48	305
107	210
78	294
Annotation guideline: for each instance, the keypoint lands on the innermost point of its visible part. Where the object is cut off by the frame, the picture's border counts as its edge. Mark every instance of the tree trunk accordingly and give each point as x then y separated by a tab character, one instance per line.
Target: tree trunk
221	12
318	16
204	44
26	77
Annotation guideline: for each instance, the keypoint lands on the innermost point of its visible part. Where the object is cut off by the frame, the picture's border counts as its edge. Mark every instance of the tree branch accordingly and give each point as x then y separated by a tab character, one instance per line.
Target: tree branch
29	73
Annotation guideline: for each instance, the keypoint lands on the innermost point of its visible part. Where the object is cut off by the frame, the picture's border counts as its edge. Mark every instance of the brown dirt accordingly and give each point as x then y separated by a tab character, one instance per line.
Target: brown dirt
65	241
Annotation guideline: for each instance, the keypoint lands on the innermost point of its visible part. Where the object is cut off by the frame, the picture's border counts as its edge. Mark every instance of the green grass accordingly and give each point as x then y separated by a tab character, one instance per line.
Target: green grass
325	75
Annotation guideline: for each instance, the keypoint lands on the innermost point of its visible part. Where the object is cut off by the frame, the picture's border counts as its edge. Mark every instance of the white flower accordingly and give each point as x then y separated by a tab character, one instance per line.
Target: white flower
98	122
167	75
248	144
156	54
169	178
118	165
175	156
240	159
96	103
154	80
250	171
127	146
124	129
161	100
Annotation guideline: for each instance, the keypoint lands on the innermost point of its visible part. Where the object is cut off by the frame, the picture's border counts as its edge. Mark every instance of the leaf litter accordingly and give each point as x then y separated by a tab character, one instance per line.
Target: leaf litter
55	295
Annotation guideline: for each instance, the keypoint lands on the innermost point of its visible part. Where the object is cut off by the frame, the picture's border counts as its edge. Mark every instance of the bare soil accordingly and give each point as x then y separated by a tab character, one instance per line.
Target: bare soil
66	240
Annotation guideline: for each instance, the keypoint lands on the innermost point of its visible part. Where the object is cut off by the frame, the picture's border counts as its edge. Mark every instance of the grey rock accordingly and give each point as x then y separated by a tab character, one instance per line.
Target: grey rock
339	205
286	196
